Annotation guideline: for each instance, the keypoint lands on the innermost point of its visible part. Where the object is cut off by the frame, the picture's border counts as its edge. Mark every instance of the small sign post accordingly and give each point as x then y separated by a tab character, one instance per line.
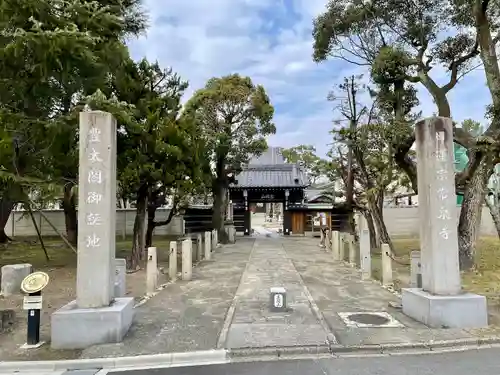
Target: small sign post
33	285
277	299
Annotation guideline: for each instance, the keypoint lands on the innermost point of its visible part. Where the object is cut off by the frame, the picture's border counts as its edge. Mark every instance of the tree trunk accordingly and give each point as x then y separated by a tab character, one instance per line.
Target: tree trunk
151	224
6	207
470	214
70	214
379	224
138	240
495	213
219	206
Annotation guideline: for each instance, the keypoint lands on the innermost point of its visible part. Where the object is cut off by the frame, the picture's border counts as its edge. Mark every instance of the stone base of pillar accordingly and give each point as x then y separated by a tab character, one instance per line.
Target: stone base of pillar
230	230
465	310
74	328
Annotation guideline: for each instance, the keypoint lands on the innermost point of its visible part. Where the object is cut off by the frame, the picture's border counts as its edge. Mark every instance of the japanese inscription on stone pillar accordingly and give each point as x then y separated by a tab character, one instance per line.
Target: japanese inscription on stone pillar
96	209
437	206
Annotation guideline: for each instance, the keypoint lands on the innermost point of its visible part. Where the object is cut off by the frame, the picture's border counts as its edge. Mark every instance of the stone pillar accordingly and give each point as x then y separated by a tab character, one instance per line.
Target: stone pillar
172	261
12	277
120	288
441	301
199	247
336	245
352	250
328	239
208	245
187	259
214	239
96	210
415	270
365	253
342	246
386	265
151	271
95	317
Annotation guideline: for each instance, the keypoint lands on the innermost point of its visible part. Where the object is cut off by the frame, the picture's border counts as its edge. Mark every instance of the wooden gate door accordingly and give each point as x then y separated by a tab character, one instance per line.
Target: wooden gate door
298	223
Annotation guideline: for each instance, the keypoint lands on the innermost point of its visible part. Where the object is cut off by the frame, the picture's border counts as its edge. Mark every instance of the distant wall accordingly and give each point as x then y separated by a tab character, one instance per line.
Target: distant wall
403	221
20	223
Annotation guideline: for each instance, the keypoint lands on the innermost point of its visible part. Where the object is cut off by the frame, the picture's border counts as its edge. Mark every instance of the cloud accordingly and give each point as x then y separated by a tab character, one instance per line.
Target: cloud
271	42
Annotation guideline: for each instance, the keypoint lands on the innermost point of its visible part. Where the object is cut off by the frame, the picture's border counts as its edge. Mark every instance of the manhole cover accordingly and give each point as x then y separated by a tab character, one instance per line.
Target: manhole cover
372	319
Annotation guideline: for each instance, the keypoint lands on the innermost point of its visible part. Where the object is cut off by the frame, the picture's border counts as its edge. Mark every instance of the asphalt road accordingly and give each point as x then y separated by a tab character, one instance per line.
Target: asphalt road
476	362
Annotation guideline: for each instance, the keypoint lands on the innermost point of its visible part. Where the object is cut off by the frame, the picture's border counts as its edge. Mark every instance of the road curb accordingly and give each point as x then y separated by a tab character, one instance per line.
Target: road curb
195	358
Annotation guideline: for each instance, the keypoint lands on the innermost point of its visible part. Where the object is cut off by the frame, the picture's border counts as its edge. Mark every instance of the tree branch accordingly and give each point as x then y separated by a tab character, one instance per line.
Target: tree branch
455	66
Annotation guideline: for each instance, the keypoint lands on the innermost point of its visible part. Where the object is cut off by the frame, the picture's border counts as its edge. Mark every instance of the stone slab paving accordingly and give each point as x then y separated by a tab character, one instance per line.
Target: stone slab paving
252	323
336	287
186	316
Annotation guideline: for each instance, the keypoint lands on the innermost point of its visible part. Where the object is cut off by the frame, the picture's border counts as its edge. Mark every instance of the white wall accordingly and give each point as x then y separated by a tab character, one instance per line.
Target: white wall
404	221
20	223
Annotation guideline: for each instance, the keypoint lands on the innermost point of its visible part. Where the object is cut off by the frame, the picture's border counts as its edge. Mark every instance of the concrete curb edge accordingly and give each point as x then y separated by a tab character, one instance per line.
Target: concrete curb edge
221	356
203	357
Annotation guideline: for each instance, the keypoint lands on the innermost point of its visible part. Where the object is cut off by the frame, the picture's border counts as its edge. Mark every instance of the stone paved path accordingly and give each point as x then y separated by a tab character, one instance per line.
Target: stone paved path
187	315
250	322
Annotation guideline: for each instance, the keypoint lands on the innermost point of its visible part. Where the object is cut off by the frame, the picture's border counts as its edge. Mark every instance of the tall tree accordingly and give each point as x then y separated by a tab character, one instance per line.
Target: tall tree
160	151
408	37
52	53
234	116
306	156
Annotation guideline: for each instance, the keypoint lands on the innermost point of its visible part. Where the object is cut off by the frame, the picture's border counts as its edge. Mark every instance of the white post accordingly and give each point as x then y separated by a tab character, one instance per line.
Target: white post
208	245
187	259
342	246
172	261
214	239
386	265
415	270
199	246
336	245
365	251
151	271
352	250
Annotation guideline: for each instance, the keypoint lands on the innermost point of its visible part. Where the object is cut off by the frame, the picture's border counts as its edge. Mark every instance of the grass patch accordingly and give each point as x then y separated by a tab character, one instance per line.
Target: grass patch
29	250
484	279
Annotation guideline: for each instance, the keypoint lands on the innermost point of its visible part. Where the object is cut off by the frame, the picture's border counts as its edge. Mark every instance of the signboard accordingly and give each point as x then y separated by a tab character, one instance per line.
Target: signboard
34	282
32	303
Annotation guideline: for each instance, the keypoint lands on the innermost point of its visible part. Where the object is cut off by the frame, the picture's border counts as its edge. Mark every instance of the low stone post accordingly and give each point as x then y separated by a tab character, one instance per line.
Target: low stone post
215	240
336	245
341	246
172	261
352	250
328	239
151	271
187	259
120	278
12	277
365	250
415	270
322	238
199	247
386	265
208	245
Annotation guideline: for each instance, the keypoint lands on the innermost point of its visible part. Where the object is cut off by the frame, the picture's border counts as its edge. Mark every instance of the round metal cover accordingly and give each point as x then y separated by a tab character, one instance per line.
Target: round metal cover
372	319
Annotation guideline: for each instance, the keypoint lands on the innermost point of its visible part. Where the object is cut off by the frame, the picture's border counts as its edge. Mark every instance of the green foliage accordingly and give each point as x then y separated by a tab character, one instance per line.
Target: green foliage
472	127
305	155
234	117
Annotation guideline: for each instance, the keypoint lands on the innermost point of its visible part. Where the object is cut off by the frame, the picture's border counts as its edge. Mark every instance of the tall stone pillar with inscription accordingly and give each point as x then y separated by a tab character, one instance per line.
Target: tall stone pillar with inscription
96	316
440	302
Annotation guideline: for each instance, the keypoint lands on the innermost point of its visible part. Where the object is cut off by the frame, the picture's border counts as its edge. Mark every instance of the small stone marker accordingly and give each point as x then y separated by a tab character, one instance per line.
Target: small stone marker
214	239
12	277
365	253
172	261
120	278
151	271
277	300
386	265
208	245
199	247
415	270
336	245
187	259
352	250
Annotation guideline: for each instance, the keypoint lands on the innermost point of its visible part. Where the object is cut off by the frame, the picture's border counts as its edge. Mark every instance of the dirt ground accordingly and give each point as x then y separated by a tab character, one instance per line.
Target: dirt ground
484	279
61	289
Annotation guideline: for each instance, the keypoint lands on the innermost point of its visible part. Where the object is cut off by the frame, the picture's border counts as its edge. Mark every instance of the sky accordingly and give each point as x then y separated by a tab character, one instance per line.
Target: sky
271	42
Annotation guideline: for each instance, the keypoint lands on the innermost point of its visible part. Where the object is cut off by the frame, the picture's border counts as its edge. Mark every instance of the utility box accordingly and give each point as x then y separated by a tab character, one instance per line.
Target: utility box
277	300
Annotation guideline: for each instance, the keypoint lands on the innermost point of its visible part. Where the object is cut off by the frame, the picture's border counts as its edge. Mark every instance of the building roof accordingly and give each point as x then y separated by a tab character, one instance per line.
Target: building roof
270	171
